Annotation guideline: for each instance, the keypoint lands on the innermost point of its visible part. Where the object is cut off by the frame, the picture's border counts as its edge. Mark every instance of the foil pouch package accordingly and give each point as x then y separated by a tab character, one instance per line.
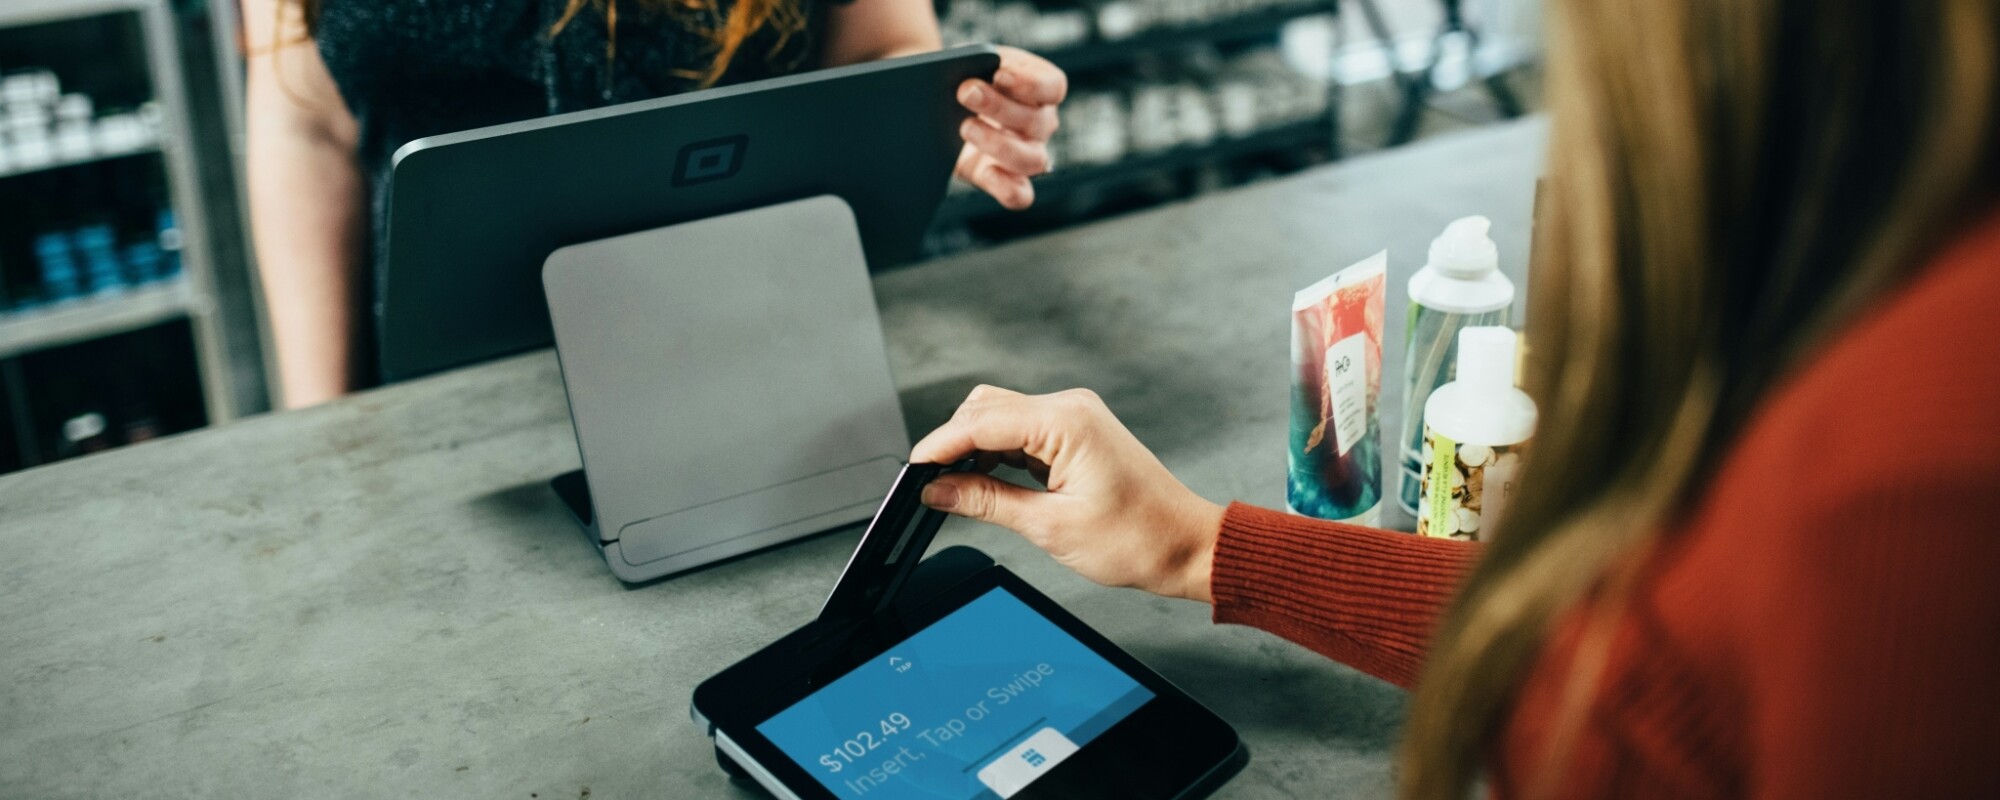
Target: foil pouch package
1335	455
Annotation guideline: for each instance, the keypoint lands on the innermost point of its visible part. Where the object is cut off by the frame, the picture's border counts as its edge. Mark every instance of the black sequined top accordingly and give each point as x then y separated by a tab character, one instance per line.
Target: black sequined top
414	68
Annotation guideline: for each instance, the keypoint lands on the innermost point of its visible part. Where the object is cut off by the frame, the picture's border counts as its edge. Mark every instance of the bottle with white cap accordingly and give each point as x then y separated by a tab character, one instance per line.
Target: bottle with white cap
1474	430
1461	287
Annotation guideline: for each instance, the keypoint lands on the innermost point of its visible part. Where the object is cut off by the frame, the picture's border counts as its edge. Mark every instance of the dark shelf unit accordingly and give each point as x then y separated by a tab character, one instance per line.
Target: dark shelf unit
148	356
1099	54
143	384
962	206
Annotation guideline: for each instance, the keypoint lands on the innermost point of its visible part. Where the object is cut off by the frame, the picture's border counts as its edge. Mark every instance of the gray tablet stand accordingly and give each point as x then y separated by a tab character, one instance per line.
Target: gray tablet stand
728	383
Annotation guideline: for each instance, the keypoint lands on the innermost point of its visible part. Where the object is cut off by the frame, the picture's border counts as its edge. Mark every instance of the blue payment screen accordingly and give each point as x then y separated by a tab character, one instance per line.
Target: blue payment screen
974	707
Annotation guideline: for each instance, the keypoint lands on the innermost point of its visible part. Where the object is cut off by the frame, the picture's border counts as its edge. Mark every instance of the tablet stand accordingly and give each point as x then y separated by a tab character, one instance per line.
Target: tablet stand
728	383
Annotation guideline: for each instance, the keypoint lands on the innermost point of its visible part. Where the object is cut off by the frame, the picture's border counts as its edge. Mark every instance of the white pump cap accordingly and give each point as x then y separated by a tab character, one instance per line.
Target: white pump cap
1486	357
1464	251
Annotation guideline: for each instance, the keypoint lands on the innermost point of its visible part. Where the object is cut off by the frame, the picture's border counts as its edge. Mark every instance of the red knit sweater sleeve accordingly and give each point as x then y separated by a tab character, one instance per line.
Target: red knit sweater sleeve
1364	597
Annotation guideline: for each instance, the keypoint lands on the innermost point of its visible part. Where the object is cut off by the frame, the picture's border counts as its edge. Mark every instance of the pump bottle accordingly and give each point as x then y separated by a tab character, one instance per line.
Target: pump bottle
1460	287
1475	428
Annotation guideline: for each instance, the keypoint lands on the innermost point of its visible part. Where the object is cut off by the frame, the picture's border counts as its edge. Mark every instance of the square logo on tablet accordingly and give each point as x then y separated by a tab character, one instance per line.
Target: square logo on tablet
710	160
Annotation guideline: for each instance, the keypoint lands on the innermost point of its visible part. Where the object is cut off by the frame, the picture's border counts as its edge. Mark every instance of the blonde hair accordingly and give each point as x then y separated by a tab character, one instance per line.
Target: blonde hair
1730	181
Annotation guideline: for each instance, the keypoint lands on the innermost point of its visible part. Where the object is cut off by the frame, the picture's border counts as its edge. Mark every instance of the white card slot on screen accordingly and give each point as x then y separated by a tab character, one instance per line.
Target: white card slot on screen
1020	766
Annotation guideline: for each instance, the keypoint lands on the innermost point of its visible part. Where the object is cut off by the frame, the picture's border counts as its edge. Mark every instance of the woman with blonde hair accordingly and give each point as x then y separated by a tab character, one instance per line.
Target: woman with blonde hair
336	86
1750	555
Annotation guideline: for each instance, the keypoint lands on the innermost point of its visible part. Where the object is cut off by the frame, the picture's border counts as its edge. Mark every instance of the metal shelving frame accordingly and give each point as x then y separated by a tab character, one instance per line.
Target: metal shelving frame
192	294
13	170
216	73
54	325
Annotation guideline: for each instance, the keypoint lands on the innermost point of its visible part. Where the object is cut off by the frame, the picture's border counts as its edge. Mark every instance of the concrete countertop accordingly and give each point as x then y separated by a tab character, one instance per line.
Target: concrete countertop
381	596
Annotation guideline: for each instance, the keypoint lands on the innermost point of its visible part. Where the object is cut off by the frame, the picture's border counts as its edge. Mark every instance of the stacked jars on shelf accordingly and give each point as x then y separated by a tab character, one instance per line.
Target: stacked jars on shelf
1169	94
85	209
1052	28
1191	104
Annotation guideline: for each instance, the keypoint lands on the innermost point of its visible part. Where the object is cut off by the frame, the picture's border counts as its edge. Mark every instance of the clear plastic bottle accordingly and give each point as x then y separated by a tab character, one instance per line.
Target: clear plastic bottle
1461	287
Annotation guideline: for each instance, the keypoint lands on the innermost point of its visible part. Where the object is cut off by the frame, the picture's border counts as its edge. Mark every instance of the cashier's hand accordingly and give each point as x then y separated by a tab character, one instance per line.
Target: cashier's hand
1111	511
1007	141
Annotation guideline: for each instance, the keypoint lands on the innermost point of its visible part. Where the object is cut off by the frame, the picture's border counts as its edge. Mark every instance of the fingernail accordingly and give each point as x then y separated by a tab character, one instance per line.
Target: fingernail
942	497
965	130
1004	80
972	96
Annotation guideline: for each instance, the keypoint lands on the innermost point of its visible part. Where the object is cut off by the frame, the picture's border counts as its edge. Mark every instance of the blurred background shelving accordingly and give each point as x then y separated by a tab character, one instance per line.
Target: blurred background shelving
129	306
1171	98
118	322
1167	97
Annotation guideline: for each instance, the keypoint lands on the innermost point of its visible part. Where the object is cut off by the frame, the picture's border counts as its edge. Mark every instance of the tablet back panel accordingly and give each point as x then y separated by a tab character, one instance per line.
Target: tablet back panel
728	382
472	215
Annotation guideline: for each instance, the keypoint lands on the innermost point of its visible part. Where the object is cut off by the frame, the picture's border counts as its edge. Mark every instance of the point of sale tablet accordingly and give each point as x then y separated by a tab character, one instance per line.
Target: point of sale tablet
990	691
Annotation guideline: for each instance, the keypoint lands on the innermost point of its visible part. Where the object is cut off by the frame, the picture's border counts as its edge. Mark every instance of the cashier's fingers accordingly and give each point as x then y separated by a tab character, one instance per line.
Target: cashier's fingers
1019	155
1030	78
1033	122
1012	189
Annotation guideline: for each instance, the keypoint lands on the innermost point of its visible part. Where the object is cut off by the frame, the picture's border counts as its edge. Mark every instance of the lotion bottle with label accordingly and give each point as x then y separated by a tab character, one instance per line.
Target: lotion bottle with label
1474	431
1460	287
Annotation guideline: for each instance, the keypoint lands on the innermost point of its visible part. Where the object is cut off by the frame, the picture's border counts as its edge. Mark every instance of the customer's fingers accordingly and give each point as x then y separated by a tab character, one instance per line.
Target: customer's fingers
987	499
985	462
1015	459
986	391
998	424
1020	156
1033	122
1030	78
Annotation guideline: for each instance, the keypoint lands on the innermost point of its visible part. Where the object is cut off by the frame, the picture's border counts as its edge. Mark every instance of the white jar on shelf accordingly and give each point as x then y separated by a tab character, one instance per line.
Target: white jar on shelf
73	141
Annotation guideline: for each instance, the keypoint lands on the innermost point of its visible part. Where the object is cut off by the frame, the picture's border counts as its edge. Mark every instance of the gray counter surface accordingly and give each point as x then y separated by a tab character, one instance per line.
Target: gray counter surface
381	597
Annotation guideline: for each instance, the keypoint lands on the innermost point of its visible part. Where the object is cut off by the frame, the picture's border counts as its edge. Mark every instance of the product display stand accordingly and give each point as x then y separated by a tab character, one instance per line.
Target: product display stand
728	383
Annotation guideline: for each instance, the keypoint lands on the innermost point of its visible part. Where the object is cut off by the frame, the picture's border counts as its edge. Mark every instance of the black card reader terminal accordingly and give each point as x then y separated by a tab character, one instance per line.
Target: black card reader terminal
950	678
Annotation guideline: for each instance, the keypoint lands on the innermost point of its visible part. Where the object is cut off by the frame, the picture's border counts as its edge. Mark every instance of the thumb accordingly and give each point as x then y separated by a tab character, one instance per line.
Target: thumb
982	497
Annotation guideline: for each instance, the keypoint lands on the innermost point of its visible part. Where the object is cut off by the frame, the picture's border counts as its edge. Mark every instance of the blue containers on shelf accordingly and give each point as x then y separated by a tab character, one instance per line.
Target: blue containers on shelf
61	280
89	260
143	263
169	243
97	249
